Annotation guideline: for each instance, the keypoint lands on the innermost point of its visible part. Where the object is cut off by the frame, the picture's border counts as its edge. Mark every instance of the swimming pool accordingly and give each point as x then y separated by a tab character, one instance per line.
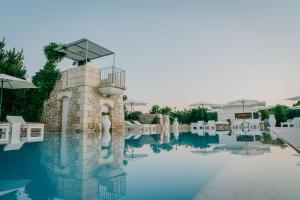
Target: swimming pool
76	166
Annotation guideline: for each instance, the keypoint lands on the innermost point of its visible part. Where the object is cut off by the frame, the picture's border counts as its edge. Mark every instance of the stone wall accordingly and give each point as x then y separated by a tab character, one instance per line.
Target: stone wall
80	85
148	118
183	128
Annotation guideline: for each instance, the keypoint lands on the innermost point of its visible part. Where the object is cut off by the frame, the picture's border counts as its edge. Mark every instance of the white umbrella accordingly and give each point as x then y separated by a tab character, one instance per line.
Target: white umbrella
132	103
296	98
10	82
246	102
295	108
203	104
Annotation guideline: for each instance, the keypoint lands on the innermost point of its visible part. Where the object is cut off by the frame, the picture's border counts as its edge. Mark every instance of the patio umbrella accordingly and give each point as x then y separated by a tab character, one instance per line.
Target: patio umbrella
246	102
132	103
203	104
296	98
10	82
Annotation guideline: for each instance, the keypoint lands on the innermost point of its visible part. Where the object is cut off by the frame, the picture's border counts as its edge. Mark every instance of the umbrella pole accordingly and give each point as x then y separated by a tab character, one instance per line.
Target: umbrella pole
131	110
202	113
1	97
244	127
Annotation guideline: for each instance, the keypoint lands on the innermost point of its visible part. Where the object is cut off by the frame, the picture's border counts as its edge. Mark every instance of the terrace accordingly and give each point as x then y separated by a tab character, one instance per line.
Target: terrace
112	79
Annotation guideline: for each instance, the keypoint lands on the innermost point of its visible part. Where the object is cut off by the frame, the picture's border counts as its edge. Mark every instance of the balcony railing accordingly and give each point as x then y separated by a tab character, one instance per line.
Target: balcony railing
112	77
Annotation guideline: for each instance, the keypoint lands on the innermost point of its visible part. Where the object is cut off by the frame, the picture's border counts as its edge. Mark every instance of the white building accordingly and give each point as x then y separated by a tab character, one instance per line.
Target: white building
242	115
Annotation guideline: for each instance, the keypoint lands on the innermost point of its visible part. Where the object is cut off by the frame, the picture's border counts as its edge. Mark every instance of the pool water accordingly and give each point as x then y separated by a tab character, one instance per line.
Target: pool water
78	166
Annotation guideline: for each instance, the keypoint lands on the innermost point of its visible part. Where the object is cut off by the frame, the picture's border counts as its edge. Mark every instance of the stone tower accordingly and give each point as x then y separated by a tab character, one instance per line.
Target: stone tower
85	93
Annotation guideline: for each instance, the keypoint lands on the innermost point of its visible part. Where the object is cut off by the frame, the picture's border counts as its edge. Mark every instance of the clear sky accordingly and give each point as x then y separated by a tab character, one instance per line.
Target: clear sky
175	52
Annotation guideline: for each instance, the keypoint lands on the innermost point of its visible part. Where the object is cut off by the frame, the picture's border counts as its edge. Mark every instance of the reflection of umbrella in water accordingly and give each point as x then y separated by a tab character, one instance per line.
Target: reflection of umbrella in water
10	82
210	150
134	156
247	152
252	150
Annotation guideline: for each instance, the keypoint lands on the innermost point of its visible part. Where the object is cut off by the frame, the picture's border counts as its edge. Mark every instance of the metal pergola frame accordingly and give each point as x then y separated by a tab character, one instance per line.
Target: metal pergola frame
84	50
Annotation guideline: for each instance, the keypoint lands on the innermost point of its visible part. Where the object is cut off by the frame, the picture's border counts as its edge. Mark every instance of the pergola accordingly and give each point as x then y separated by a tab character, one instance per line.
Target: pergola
84	50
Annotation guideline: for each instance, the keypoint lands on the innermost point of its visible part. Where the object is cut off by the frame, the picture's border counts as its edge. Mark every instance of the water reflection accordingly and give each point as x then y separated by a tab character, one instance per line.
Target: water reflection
82	169
79	166
72	166
236	144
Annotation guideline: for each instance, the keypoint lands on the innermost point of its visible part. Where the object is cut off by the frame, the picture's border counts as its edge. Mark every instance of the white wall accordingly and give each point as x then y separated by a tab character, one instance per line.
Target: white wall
228	112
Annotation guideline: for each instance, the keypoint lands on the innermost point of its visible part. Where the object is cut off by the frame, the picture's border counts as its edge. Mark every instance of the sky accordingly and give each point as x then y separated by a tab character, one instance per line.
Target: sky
175	52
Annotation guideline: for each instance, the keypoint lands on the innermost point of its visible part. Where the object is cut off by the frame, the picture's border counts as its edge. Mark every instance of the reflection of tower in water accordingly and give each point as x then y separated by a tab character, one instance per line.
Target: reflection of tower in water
165	135
112	178
80	169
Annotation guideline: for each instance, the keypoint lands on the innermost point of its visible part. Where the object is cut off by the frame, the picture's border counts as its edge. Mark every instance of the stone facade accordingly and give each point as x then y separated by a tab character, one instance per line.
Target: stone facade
86	103
148	118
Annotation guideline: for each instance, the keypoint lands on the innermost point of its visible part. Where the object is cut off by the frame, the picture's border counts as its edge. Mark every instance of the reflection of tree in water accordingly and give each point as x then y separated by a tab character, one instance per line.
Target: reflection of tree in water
18	165
185	139
196	141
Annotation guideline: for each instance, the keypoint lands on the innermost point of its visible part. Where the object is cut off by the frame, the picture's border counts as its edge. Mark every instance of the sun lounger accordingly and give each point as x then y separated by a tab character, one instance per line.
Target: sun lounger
4	132
150	128
25	131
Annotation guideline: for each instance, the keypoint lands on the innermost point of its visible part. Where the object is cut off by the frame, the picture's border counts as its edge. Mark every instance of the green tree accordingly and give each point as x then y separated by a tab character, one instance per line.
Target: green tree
133	116
165	110
264	114
280	112
11	63
155	109
45	79
297	104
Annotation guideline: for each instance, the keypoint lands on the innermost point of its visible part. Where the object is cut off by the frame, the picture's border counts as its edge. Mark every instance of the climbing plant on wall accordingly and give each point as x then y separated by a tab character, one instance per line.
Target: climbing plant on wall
45	80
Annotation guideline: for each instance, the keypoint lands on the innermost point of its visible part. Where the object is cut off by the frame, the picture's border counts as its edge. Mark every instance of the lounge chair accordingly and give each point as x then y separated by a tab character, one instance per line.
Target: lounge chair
25	131
132	128
4	132
150	127
296	122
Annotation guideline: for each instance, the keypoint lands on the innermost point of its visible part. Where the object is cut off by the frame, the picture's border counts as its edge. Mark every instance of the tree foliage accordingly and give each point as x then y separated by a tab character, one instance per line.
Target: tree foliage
11	63
154	109
45	80
282	113
297	104
28	102
133	116
185	116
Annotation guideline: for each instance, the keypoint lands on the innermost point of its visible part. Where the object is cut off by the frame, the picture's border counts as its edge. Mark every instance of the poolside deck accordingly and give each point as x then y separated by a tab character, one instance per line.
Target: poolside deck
289	135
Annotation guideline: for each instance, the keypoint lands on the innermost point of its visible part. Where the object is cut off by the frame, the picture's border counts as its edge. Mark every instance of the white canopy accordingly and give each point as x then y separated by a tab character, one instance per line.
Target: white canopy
132	102
10	82
202	104
296	98
246	102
